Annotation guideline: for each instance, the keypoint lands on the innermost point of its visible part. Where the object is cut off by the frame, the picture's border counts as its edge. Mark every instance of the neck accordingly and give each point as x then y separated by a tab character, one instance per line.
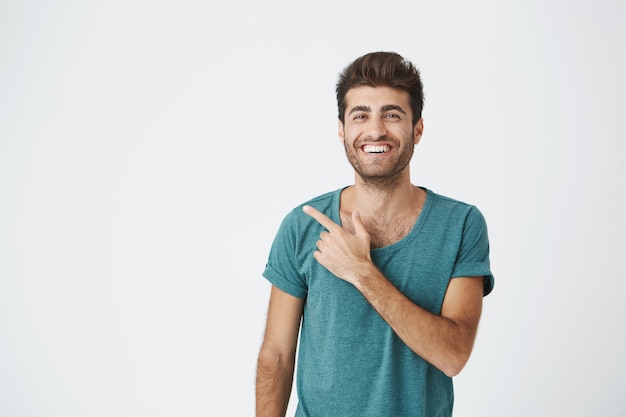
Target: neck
388	214
382	200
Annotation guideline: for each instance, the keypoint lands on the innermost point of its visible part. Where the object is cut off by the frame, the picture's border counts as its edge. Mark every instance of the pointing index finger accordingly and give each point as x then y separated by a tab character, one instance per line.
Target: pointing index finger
320	217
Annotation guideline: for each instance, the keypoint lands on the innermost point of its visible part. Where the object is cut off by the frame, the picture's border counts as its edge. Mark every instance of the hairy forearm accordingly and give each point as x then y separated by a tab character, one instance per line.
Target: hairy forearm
443	342
273	384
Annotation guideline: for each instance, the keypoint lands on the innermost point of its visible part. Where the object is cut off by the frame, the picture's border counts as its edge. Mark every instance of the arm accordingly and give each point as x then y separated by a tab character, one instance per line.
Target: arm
444	340
276	360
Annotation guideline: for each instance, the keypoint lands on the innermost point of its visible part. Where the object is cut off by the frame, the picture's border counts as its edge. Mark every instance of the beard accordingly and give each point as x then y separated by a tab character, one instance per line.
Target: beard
379	176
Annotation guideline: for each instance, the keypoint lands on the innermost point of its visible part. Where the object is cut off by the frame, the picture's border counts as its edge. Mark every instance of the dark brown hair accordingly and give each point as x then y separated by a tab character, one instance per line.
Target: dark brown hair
382	69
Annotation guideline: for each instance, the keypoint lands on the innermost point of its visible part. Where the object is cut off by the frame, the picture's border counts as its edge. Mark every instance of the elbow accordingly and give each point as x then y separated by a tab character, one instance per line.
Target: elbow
275	359
457	356
455	364
269	360
451	371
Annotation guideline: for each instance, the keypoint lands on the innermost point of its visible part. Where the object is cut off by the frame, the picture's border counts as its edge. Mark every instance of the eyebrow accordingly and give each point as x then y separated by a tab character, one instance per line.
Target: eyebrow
389	107
384	108
360	108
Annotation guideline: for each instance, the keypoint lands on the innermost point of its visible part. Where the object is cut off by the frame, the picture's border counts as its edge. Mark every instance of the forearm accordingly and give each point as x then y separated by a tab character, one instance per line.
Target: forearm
273	384
441	341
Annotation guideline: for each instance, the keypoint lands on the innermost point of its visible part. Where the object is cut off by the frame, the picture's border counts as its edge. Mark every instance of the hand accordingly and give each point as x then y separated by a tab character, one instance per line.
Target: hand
345	254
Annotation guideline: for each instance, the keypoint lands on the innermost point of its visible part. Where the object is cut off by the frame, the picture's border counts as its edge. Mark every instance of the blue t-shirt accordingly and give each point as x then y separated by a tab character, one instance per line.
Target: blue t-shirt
350	361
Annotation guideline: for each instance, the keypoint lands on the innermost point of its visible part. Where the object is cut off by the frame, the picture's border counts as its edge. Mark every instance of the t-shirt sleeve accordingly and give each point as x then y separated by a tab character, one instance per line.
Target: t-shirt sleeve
473	256
282	268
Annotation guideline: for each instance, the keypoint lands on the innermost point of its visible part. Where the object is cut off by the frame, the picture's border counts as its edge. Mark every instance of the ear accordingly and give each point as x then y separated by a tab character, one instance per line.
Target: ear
418	129
340	130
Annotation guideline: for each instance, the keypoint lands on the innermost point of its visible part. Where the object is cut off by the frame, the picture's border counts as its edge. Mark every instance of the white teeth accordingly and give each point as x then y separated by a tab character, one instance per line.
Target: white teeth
376	148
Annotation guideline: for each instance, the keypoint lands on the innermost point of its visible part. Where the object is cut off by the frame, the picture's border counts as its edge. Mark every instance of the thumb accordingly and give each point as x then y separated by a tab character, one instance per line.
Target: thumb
359	227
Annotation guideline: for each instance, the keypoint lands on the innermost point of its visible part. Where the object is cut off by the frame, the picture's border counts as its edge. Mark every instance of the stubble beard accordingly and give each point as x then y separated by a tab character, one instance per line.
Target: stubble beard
376	178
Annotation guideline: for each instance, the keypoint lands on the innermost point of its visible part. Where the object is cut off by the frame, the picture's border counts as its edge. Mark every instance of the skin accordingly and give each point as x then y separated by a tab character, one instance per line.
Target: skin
379	209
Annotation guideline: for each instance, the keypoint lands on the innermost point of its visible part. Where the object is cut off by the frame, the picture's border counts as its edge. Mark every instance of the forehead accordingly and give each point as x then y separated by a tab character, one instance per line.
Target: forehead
376	97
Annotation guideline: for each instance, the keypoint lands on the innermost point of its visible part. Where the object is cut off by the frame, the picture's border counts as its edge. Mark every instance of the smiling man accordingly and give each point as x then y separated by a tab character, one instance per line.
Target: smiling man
381	281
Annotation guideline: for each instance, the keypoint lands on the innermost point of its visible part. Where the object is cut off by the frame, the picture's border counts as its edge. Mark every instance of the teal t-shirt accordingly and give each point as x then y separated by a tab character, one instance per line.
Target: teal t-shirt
350	361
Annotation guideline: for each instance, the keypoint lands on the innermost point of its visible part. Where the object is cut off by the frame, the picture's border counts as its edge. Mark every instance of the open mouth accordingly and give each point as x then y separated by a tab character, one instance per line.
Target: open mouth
376	148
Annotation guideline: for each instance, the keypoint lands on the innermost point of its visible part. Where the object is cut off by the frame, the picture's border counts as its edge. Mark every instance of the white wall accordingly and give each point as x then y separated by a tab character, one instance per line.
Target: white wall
149	150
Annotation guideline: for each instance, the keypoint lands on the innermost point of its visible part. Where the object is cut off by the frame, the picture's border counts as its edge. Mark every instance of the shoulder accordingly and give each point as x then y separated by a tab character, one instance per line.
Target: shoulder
449	205
324	201
327	203
298	222
450	214
446	201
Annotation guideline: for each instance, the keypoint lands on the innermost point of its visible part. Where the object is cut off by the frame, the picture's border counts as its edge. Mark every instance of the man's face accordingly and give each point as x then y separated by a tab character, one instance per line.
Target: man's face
378	134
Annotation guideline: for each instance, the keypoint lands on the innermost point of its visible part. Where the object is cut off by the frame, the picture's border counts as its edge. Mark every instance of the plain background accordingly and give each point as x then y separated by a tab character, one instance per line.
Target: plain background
150	149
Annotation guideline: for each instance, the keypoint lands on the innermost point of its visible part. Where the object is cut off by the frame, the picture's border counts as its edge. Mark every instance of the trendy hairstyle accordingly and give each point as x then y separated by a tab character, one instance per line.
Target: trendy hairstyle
382	69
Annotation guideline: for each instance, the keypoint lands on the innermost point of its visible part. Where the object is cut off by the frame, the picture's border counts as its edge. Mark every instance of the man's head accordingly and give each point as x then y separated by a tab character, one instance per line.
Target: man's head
382	69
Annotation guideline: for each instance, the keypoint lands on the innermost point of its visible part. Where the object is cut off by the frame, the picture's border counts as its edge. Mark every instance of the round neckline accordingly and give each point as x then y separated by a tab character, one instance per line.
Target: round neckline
406	239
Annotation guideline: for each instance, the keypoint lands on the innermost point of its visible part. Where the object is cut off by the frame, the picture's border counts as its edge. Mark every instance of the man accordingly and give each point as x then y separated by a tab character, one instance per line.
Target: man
386	278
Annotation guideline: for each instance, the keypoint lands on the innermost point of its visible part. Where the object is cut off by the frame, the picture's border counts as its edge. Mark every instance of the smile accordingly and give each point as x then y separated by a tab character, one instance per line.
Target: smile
376	148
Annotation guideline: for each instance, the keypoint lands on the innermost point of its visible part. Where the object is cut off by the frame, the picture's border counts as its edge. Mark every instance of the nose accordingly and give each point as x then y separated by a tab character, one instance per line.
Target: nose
376	129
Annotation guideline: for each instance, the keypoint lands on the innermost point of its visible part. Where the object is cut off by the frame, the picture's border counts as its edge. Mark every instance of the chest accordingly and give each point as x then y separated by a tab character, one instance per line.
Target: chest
384	232
420	267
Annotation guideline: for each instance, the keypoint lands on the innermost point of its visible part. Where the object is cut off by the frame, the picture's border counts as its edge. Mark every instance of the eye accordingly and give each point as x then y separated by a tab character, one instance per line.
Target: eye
359	117
392	116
